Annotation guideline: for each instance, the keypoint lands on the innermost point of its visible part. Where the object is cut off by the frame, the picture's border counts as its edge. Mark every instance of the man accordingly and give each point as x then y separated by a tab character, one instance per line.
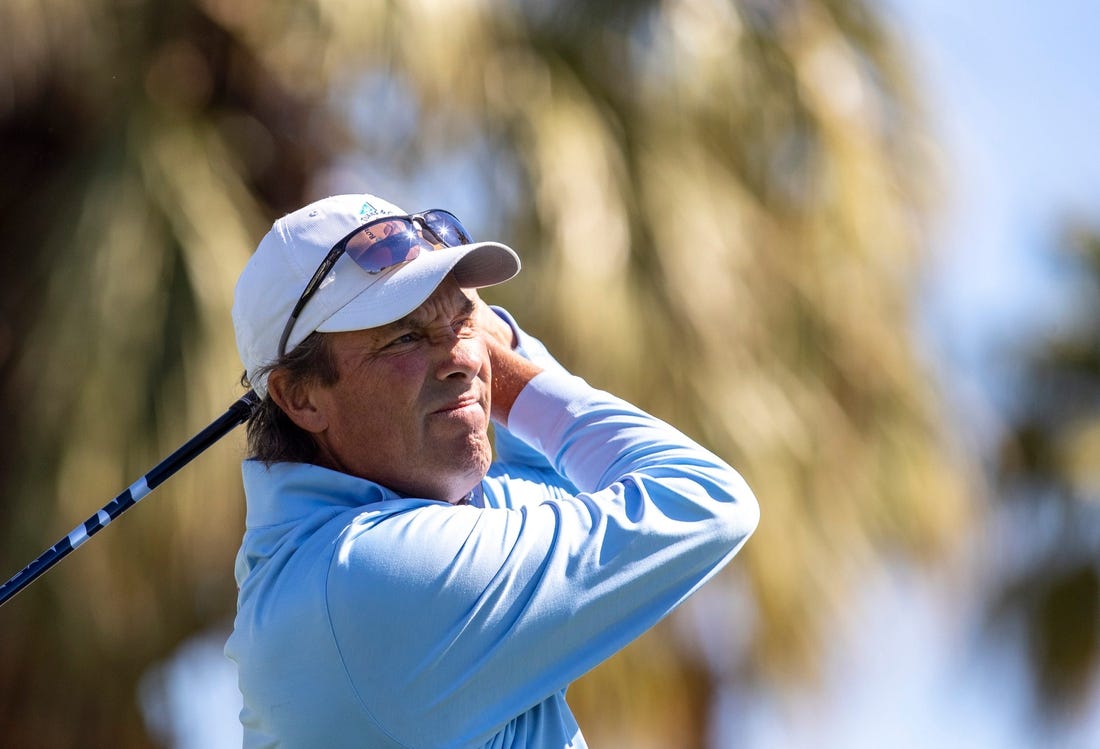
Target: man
397	587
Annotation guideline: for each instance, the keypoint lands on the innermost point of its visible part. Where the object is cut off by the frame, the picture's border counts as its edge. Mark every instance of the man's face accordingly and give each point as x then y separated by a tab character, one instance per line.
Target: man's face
410	409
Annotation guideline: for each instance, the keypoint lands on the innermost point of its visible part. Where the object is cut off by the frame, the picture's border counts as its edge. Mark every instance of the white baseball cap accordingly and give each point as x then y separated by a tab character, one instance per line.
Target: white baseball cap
349	298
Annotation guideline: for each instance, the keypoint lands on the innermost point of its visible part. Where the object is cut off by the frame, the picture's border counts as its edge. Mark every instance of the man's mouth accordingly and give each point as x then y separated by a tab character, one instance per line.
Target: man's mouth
459	404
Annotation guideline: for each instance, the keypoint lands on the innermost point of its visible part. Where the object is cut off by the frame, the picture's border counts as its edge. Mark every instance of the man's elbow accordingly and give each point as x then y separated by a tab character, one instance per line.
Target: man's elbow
740	513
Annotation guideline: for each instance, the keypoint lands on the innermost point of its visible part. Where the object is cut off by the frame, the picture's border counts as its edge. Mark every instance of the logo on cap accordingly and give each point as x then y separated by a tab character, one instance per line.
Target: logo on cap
367	210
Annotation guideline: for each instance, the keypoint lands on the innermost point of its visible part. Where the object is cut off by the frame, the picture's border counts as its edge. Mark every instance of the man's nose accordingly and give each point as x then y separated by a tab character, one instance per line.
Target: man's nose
462	356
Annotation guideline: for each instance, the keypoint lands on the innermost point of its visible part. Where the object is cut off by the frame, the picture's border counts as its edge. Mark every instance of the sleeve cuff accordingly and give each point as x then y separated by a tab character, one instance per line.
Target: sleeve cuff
540	407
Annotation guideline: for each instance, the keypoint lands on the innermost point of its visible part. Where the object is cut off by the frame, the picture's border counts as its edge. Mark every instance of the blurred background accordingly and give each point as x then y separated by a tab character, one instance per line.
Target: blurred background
852	247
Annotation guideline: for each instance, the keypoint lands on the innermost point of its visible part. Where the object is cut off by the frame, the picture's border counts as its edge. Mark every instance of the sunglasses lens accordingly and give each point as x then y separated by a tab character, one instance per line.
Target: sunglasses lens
383	244
447	228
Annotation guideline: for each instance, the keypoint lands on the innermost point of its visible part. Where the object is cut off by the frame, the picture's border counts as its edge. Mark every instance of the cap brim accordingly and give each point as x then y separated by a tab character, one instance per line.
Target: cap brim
399	291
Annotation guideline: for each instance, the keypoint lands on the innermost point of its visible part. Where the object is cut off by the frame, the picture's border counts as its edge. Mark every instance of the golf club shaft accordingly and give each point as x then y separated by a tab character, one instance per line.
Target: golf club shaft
237	414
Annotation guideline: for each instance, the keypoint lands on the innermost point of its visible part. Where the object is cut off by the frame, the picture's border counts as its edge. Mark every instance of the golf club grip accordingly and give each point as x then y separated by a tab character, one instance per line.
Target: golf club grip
237	414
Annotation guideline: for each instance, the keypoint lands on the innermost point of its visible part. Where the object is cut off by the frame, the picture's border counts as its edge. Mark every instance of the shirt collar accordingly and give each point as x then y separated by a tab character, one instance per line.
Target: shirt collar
284	492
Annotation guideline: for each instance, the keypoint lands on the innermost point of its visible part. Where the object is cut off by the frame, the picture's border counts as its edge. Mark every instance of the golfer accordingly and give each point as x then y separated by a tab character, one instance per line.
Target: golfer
399	587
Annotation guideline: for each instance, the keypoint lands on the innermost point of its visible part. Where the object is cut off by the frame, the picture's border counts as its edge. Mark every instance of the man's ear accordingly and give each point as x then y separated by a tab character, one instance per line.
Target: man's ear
297	400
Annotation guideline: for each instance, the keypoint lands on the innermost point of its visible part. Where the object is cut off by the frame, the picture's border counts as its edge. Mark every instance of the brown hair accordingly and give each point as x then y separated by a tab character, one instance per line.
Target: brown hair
272	436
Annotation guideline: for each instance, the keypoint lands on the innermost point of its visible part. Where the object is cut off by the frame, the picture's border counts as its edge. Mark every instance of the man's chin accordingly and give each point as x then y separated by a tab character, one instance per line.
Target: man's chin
466	465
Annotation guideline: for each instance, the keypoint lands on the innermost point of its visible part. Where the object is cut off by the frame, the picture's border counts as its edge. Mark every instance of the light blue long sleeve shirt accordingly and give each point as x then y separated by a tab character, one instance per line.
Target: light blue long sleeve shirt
368	619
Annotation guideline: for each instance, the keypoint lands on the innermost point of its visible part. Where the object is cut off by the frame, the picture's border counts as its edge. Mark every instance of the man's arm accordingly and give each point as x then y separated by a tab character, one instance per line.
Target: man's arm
513	455
510	370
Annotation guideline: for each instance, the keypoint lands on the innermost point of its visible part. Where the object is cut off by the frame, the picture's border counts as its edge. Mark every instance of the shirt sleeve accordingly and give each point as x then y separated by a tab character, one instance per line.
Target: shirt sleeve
453	620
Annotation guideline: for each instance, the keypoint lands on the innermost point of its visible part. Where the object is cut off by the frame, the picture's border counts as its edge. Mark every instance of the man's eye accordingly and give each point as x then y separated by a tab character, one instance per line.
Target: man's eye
407	338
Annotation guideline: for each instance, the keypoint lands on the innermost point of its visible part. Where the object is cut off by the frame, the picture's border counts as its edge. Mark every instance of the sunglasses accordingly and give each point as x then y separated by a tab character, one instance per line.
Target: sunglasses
381	244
